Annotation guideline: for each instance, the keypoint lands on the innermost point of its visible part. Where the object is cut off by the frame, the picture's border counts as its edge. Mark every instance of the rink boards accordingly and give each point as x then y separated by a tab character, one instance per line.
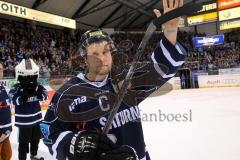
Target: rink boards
204	81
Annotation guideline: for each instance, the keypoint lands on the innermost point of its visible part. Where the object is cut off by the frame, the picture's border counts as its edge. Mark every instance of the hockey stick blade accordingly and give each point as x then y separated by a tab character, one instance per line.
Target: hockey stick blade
184	10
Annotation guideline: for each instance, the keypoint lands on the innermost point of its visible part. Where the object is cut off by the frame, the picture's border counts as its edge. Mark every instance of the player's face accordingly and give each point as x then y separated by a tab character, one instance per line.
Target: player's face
99	58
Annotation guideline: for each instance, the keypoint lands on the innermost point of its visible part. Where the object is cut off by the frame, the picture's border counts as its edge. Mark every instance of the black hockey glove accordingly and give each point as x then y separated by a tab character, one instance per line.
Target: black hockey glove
24	95
122	153
39	93
28	90
89	145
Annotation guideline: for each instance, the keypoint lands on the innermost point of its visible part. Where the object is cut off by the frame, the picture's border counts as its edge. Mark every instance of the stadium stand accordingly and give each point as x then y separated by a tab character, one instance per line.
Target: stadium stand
55	51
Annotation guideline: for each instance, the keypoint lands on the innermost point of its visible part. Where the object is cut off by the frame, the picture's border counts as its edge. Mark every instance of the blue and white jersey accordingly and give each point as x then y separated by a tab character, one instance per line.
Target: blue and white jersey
126	126
5	113
26	114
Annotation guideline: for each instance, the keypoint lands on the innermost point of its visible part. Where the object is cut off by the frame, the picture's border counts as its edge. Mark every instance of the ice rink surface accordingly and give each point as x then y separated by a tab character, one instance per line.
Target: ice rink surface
206	125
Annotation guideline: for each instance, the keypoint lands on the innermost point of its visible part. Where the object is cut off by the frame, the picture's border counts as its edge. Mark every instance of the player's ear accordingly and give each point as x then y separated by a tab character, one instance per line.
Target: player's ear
85	59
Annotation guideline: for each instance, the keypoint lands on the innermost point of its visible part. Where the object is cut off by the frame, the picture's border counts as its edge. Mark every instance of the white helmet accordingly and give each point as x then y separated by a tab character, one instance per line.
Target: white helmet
27	67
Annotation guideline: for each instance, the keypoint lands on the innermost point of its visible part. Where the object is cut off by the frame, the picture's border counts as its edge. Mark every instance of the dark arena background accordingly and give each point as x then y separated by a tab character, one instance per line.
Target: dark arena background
194	116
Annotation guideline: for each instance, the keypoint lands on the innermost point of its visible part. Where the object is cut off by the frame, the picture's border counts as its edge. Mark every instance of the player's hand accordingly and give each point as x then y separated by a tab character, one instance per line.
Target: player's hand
121	153
169	5
170	28
89	145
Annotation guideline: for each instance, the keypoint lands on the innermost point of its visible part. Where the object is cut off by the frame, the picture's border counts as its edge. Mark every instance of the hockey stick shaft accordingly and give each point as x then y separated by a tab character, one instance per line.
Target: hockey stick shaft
181	11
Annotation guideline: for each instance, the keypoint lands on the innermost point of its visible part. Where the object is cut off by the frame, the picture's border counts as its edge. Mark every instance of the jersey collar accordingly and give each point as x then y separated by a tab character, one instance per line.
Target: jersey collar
96	84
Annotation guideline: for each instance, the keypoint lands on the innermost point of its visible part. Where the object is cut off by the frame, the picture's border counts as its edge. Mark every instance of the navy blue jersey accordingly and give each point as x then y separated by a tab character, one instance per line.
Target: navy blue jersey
27	114
5	112
127	125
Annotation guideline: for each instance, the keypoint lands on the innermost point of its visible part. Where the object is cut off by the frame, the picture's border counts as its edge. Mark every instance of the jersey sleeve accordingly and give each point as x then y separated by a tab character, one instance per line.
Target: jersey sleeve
44	94
5	113
163	65
14	95
167	58
56	133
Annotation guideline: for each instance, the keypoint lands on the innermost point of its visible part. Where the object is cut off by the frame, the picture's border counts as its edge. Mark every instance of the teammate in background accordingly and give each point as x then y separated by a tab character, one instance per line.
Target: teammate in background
25	95
183	81
5	122
195	79
84	141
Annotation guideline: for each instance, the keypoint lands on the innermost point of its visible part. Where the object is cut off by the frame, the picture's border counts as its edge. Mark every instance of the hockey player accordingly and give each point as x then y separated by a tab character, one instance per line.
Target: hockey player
5	123
83	140
25	95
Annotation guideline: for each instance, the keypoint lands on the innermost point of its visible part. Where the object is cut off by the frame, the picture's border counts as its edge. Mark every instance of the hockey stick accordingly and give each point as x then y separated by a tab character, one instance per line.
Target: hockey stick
181	11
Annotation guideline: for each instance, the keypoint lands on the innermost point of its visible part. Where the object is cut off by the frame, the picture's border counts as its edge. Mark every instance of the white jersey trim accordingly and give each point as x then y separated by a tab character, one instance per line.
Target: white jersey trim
96	84
55	145
17	101
6	125
28	115
158	69
178	47
144	158
169	57
28	123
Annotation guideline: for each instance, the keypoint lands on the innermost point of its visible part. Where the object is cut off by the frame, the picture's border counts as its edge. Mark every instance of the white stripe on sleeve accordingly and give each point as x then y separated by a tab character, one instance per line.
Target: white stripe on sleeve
159	70
169	57
6	125
55	145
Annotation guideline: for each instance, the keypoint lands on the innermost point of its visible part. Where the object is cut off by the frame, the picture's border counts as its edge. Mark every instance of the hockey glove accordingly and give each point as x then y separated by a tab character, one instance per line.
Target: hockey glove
39	89
122	153
24	95
89	145
27	91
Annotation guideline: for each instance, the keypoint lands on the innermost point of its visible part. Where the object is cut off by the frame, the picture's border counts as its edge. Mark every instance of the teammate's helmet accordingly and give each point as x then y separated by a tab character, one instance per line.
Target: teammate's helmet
95	36
27	71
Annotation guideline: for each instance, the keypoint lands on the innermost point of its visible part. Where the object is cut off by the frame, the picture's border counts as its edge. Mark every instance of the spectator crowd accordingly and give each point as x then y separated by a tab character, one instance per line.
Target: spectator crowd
56	51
